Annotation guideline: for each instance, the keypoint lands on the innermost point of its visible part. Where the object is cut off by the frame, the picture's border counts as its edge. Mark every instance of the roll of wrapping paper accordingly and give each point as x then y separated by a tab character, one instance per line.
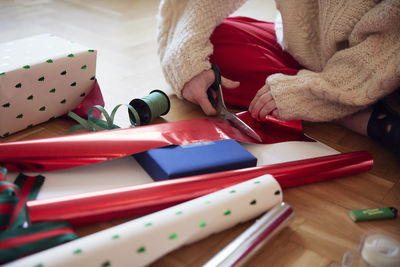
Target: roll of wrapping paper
141	241
63	152
86	208
240	250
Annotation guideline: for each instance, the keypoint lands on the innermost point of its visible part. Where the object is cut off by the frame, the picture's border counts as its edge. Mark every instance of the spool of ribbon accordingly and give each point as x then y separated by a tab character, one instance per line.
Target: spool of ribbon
141	112
150	107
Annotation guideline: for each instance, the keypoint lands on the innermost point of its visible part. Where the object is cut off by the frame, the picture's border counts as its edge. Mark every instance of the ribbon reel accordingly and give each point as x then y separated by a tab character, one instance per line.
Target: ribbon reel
141	112
150	107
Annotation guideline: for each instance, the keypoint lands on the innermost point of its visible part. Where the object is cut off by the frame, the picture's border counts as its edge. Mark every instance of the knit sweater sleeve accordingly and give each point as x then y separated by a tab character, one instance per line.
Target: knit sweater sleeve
352	78
183	31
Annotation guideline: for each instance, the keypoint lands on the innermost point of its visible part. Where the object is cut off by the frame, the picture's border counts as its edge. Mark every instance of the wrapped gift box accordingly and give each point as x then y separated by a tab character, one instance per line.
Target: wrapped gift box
42	77
187	160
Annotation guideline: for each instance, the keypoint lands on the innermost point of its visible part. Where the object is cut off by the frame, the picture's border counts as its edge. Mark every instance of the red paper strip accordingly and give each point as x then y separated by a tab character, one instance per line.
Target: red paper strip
63	152
123	202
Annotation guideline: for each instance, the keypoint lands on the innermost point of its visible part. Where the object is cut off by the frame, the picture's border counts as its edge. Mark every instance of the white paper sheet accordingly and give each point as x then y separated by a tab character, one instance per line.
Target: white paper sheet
126	171
288	151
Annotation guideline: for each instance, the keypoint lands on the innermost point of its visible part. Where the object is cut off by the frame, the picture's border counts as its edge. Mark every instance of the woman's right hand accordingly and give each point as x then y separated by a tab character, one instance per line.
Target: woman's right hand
195	90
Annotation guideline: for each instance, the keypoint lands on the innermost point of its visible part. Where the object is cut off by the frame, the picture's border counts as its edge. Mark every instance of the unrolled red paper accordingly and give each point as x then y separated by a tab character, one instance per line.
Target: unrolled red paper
63	152
141	199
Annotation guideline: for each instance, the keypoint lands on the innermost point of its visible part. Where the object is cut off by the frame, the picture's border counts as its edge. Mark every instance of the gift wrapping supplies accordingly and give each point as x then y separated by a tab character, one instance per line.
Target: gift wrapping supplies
143	240
140	199
188	160
42	77
63	152
77	150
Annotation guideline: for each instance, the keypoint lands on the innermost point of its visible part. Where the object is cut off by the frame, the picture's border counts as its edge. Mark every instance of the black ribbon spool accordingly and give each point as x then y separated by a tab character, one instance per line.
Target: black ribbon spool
150	107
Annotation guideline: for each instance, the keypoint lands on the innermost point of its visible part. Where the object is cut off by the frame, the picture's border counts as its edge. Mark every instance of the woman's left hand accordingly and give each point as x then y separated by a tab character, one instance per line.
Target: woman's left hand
263	104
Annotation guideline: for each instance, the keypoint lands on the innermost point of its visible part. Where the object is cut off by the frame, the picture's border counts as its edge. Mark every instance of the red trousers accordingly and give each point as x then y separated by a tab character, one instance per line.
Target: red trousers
246	50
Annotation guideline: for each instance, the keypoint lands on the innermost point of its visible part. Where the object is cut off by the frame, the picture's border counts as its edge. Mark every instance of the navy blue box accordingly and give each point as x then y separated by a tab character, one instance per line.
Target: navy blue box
187	160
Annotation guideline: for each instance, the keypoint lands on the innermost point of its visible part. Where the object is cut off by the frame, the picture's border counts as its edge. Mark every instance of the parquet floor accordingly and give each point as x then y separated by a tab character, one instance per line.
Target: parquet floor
123	32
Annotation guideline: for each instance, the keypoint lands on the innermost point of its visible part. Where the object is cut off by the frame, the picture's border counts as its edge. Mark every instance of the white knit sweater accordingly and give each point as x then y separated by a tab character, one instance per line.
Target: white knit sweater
350	49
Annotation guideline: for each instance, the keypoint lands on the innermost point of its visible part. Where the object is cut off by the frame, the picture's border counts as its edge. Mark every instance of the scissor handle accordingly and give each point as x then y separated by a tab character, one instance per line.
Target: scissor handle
214	86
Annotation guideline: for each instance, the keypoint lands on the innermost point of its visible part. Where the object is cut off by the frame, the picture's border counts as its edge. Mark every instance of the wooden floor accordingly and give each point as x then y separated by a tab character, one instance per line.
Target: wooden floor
123	32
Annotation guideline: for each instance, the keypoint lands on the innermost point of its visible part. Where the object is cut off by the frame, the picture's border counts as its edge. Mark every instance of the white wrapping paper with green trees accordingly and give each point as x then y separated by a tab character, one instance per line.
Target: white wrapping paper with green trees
143	240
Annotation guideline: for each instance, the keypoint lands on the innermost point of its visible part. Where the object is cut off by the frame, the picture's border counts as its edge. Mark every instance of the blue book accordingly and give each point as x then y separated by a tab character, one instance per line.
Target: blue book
200	158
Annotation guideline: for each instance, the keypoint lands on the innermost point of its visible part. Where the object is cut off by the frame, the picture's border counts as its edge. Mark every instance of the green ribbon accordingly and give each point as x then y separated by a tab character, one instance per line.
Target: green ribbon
41	236
9	198
18	239
31	195
3	174
94	124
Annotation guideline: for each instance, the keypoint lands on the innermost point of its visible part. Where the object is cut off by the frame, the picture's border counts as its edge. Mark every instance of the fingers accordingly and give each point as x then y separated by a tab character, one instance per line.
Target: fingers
229	84
195	91
266	109
202	99
206	105
263	104
255	103
275	113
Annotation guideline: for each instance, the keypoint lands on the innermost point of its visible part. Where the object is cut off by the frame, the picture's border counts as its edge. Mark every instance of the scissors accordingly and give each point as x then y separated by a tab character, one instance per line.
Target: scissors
219	105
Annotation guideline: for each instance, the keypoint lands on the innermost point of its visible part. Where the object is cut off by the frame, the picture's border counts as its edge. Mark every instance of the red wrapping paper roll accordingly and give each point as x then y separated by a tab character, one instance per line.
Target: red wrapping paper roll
63	152
123	202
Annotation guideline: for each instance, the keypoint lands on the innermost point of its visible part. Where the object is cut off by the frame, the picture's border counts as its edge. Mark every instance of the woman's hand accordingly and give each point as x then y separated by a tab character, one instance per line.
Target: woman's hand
263	104
195	90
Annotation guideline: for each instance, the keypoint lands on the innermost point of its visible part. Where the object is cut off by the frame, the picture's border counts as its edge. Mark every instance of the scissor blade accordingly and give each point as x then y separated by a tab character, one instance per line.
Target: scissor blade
238	123
241	125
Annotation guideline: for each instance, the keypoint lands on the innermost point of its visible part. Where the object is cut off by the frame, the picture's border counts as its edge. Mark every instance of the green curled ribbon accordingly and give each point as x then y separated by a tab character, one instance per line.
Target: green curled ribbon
94	124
